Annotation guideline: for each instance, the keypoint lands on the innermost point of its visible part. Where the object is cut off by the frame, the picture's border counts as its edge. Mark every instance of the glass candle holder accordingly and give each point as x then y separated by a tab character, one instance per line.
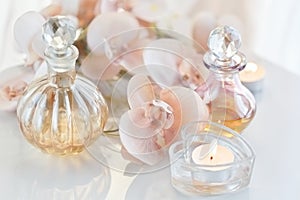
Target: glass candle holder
210	159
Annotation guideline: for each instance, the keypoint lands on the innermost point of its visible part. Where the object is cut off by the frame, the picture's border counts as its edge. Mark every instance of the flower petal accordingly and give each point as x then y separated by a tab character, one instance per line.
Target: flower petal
192	106
132	59
139	142
109	6
138	116
41	70
26	27
139	91
111	30
192	71
128	156
204	23
168	96
187	106
38	45
161	57
98	67
32	57
150	10
69	8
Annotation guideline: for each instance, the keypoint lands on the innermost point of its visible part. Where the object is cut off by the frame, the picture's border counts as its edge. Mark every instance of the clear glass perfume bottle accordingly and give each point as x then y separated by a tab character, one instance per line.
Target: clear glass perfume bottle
61	112
230	103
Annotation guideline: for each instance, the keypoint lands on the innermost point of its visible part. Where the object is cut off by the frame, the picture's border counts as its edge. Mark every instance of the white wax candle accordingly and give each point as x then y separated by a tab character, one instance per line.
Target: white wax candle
207	154
252	76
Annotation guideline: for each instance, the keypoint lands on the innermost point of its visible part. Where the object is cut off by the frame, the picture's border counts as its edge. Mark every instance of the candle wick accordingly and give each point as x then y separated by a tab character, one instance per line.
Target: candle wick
211	158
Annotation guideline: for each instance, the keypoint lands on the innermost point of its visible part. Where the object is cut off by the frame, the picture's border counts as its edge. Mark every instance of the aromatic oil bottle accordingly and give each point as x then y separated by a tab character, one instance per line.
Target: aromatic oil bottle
230	103
61	112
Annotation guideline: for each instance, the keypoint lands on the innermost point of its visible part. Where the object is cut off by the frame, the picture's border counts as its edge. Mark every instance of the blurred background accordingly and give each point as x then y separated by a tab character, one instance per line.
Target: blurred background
270	28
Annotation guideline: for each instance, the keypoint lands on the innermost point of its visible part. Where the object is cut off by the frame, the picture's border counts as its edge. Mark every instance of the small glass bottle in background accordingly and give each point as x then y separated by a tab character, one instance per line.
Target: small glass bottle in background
230	102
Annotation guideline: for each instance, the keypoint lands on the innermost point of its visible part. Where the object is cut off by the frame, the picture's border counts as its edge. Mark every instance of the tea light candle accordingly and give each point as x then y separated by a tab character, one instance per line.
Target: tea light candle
252	76
211	156
207	155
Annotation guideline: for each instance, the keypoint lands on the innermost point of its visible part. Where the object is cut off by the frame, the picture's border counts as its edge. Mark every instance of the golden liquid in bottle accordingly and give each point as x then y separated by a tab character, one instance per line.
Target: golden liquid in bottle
232	116
64	141
68	134
231	119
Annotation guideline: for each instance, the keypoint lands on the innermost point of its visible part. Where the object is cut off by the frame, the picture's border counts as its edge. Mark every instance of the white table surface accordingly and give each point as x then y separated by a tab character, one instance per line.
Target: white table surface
26	173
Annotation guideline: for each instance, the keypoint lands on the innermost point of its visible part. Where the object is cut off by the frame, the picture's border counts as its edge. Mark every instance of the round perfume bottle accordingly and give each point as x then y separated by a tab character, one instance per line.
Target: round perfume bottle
61	112
230	102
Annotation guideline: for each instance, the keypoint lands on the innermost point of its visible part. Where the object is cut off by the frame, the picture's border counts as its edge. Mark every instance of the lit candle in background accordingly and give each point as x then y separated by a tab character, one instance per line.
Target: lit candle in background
252	76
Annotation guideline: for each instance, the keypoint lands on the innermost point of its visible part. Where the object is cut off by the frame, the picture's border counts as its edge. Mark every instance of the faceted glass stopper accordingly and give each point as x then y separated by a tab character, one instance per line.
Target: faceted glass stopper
59	32
224	42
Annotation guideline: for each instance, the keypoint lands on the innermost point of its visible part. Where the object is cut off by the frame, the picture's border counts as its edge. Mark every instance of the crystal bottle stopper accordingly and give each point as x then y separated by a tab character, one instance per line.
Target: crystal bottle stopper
224	43
59	33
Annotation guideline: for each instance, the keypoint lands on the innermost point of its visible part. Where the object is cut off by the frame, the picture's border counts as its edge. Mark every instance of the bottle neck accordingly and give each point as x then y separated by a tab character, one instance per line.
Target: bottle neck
224	80
62	79
61	67
229	76
232	65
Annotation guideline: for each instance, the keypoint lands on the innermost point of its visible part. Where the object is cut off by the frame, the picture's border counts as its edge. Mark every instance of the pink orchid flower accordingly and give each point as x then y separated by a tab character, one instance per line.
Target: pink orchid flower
155	117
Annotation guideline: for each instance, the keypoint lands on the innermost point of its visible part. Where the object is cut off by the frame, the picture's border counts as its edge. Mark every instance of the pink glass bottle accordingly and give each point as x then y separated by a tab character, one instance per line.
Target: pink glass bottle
230	102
